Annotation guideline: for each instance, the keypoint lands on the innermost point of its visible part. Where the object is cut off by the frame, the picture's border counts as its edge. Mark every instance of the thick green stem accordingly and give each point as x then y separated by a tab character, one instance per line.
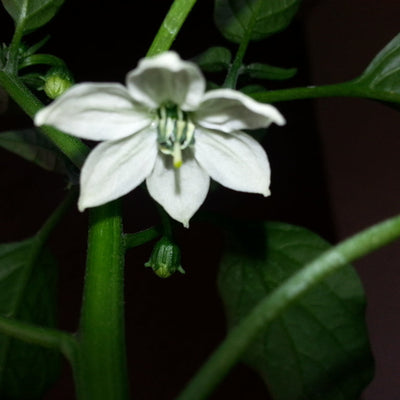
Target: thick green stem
73	148
233	347
101	370
171	25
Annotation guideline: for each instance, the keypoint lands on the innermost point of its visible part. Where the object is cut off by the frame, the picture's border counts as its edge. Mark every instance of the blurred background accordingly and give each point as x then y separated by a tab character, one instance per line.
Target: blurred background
335	167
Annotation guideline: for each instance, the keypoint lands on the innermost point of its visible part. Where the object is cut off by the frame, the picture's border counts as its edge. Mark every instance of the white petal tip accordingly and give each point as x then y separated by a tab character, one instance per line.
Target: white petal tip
266	193
39	118
280	121
81	207
186	224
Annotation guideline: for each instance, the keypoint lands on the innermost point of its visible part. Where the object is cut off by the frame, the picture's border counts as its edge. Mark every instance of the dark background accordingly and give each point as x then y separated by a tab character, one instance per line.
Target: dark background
335	170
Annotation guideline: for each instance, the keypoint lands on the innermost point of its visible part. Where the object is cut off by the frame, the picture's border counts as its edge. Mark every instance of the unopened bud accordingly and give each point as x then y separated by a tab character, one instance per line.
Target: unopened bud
57	81
165	258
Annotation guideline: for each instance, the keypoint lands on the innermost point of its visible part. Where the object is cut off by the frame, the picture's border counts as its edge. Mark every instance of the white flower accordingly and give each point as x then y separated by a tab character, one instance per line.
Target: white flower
163	128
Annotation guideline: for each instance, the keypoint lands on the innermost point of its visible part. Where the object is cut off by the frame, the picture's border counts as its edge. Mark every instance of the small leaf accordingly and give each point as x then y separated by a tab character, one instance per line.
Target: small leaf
318	348
28	293
250	89
236	19
33	146
383	73
265	71
32	14
214	59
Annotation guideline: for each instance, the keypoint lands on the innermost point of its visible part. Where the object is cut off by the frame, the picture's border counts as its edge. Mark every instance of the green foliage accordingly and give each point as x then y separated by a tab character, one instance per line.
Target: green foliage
32	14
27	293
318	348
266	71
33	146
383	73
254	19
214	59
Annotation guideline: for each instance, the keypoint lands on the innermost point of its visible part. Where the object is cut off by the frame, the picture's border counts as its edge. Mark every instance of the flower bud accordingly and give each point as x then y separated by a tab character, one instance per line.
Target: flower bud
57	81
165	258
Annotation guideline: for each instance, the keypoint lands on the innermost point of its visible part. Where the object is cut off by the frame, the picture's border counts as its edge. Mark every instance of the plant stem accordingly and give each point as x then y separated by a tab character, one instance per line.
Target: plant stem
344	89
239	338
170	27
45	337
13	49
72	147
101	370
233	74
234	70
137	239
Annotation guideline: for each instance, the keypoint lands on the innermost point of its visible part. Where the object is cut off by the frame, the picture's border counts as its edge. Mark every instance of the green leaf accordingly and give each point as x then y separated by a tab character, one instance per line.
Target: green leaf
214	59
28	293
318	349
32	14
266	71
383	73
33	146
255	19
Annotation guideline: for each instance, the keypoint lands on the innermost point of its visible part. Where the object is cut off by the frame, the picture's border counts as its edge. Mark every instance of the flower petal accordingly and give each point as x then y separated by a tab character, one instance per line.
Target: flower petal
180	191
95	111
166	78
115	168
236	161
228	111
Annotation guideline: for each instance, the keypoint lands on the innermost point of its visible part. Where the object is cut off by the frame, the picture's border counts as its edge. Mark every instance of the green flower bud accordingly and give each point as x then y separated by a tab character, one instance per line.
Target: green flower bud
56	82
165	258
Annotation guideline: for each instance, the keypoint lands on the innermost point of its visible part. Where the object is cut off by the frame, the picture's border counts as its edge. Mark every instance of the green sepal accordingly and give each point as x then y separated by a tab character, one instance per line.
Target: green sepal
254	19
266	71
318	348
28	293
214	59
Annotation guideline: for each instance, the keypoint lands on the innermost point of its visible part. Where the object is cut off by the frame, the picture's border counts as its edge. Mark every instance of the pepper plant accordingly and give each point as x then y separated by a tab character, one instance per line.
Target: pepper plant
294	305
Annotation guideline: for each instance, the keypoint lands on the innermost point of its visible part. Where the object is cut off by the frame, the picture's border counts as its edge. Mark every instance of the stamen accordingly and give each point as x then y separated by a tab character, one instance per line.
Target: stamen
175	132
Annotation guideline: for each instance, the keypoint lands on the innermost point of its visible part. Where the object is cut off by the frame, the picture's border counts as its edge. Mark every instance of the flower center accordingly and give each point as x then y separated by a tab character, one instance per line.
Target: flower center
175	132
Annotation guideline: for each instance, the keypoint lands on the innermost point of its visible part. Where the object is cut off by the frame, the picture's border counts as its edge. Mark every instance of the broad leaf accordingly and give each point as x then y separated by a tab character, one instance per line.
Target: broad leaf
266	71
27	292
33	146
32	14
257	18
214	59
318	348
383	73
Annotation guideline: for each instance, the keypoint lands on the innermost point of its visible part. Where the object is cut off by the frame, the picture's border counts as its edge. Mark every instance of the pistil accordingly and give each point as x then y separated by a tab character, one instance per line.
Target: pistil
175	132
